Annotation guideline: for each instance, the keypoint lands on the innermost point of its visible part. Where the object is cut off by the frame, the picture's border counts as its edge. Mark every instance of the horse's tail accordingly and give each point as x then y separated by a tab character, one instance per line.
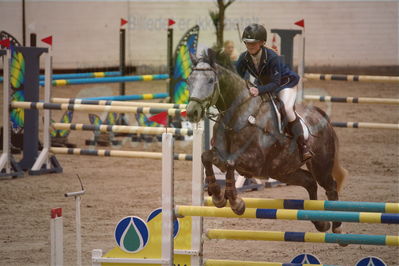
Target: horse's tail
338	172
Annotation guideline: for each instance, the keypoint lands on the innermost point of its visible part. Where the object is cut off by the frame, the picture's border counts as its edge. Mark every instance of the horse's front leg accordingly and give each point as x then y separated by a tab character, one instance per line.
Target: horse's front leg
236	203
213	188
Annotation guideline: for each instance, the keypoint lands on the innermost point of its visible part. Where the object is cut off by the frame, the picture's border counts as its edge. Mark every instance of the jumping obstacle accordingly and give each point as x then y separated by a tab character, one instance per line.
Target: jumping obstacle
282	214
390	216
351	99
254	263
361	78
320	205
365	125
124	129
96	108
80	75
118	103
163	249
63	82
343	239
118	153
132	97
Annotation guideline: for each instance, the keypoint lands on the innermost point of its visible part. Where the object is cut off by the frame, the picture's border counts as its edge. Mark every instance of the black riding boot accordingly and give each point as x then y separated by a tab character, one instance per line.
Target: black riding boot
297	131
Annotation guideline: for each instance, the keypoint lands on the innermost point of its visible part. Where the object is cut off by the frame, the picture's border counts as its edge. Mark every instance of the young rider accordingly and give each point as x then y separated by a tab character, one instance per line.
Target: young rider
268	74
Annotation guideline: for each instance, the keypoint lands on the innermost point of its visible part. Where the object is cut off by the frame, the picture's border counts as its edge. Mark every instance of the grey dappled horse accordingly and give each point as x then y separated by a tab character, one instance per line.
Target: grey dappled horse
259	149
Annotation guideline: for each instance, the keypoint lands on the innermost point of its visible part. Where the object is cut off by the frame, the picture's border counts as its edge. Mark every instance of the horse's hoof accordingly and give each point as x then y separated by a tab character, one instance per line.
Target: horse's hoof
220	201
238	206
322	226
338	230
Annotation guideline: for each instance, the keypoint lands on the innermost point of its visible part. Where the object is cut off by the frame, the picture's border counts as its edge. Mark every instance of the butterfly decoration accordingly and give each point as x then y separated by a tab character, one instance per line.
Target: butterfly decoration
103	138
6	36
17	114
182	69
62	133
109	120
17	78
143	121
183	65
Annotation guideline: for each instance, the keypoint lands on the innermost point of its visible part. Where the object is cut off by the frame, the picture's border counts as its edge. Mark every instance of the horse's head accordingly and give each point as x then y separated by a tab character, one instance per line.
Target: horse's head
203	87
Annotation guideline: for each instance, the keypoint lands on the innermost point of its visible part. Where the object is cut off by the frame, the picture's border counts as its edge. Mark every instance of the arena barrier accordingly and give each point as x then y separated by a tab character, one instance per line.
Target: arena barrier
351	99
63	82
320	205
361	78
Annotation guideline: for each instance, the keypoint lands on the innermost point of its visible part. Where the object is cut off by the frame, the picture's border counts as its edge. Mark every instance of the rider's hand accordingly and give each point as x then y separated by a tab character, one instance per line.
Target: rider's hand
254	91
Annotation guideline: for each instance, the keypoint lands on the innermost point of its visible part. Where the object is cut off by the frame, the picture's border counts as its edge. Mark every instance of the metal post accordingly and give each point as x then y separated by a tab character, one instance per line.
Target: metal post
169	63
301	68
122	59
23	24
33	40
78	226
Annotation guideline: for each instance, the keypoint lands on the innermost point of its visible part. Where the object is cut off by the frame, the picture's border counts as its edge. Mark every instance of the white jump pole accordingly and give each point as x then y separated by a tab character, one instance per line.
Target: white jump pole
56	238
77	195
5	156
197	194
167	199
44	156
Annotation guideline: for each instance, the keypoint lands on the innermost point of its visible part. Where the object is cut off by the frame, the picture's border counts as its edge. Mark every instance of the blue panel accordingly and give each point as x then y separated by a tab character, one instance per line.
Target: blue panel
390	218
294	204
294	236
266	213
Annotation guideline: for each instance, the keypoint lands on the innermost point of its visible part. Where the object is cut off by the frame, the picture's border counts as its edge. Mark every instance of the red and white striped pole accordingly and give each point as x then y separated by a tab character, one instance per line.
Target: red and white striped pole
56	235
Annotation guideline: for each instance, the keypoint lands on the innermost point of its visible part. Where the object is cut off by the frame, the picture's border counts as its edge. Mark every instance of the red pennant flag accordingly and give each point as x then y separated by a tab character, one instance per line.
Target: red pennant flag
171	22
5	43
300	23
48	40
123	22
161	118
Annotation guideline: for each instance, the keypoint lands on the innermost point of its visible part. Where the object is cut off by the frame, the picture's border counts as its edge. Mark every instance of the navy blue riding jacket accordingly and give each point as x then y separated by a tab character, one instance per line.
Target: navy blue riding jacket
273	75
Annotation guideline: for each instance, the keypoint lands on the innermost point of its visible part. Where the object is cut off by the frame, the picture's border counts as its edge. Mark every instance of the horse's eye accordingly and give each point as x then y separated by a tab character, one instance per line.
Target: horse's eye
210	81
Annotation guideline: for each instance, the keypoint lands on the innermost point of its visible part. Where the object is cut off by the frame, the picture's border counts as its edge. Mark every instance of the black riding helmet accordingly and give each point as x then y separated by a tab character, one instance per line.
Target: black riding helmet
254	33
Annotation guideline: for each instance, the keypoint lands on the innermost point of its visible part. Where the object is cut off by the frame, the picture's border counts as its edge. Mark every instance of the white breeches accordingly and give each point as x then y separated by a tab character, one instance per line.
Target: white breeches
288	97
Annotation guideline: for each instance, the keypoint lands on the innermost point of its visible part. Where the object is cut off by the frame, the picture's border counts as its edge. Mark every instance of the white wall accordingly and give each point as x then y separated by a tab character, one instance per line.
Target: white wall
338	33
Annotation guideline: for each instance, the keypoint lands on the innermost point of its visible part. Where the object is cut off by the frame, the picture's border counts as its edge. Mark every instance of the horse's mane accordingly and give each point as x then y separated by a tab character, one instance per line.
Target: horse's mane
222	61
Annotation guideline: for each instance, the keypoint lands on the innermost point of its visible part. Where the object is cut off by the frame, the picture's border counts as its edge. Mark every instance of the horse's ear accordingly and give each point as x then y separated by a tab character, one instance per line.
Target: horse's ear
194	59
212	57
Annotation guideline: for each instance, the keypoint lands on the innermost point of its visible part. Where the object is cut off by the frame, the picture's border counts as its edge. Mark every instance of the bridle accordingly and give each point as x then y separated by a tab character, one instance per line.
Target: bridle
211	99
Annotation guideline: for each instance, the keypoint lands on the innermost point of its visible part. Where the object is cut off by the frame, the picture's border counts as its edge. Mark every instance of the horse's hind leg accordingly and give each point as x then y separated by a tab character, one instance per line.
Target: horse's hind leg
218	198
323	174
236	203
305	179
